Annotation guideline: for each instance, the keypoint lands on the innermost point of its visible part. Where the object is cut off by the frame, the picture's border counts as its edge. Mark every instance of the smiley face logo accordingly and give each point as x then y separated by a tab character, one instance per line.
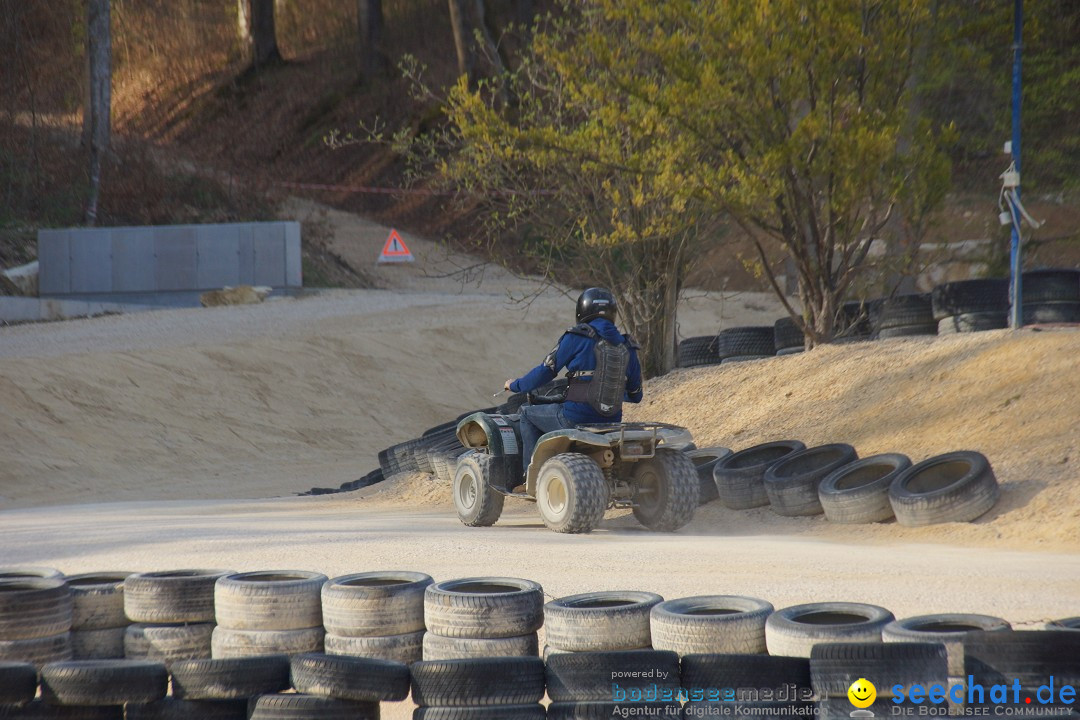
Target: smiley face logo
862	693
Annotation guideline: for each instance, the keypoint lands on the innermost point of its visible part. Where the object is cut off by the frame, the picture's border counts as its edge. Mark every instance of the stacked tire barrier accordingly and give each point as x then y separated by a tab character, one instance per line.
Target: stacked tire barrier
730	624
612	620
896	668
740	477
1048	296
172	614
614	649
971	305
268	613
595	684
704	460
482	617
35	619
98	621
773	686
906	315
794	481
376	614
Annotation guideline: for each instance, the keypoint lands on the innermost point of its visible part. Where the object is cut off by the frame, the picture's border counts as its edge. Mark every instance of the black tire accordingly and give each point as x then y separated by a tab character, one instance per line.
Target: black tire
954	487
33	607
778	710
745	341
406	648
571	493
107	644
859	492
1050	312
711	670
790	351
835	666
476	503
697	352
20	572
270	600
1050	285
375	603
792	483
175	596
906	310
907	331
854	320
710	623
948	629
311	707
988	295
1030	656
478	681
534	711
97	600
230	679
103	682
38	651
666	490
787	335
18	683
593	675
168	643
598	710
704	460
973	322
484	607
37	710
608	620
226	643
739	478
175	709
437	647
350	678
794	630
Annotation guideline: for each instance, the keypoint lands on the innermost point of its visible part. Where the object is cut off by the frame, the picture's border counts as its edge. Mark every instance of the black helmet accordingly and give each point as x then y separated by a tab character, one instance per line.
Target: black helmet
596	302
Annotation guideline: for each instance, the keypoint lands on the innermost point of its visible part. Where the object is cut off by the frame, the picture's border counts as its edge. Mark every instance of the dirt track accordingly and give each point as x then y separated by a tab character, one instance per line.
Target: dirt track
347	533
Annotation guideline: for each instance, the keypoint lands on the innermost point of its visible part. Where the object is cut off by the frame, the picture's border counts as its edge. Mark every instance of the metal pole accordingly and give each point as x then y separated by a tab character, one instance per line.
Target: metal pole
1016	317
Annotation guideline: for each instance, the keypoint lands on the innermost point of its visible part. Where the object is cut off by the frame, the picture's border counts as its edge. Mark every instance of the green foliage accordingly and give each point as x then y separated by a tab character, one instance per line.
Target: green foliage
643	122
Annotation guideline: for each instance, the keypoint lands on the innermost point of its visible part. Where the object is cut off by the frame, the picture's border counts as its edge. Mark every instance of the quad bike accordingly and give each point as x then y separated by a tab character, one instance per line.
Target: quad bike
576	474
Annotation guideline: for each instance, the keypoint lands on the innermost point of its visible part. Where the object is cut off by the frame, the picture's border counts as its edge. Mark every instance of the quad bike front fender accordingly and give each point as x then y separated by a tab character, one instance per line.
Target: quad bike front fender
560	441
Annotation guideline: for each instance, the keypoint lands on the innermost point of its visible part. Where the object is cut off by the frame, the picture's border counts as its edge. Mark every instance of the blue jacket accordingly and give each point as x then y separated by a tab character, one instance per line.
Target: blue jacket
575	353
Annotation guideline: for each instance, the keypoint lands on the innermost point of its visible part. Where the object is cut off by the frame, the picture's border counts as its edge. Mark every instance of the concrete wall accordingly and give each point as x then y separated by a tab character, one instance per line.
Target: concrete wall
168	258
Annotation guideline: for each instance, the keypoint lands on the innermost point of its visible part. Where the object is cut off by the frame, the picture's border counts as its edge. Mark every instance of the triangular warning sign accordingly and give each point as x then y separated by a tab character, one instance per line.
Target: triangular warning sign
395	249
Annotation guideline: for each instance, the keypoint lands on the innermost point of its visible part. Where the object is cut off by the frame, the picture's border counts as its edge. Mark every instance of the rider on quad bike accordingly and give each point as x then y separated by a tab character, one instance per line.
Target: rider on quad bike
603	372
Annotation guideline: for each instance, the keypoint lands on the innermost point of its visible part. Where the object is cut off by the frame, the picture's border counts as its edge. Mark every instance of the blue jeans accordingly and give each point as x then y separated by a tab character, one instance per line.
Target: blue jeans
535	421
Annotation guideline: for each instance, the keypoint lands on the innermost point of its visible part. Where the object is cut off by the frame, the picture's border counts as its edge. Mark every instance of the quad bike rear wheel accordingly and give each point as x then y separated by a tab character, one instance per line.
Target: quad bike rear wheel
571	493
666	490
476	503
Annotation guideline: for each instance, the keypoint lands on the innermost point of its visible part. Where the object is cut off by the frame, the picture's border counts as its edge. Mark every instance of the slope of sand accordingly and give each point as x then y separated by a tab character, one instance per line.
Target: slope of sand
1011	396
271	399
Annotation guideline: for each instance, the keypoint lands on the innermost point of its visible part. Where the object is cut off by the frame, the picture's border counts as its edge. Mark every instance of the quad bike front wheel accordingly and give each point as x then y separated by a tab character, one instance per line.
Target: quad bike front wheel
666	490
476	503
571	493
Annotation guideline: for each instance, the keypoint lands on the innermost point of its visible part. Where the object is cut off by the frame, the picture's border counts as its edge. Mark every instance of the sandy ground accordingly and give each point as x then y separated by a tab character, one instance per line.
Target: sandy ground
160	425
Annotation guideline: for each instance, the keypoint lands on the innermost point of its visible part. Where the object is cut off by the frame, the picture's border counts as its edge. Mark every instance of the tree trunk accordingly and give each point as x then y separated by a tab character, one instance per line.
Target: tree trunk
255	27
462	39
243	24
370	19
97	113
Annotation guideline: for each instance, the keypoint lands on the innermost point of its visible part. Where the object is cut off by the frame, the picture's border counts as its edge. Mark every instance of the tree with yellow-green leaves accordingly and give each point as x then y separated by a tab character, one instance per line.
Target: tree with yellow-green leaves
632	126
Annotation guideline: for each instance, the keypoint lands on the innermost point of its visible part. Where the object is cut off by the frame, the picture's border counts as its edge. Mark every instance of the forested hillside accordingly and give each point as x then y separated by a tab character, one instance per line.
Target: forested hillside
218	105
